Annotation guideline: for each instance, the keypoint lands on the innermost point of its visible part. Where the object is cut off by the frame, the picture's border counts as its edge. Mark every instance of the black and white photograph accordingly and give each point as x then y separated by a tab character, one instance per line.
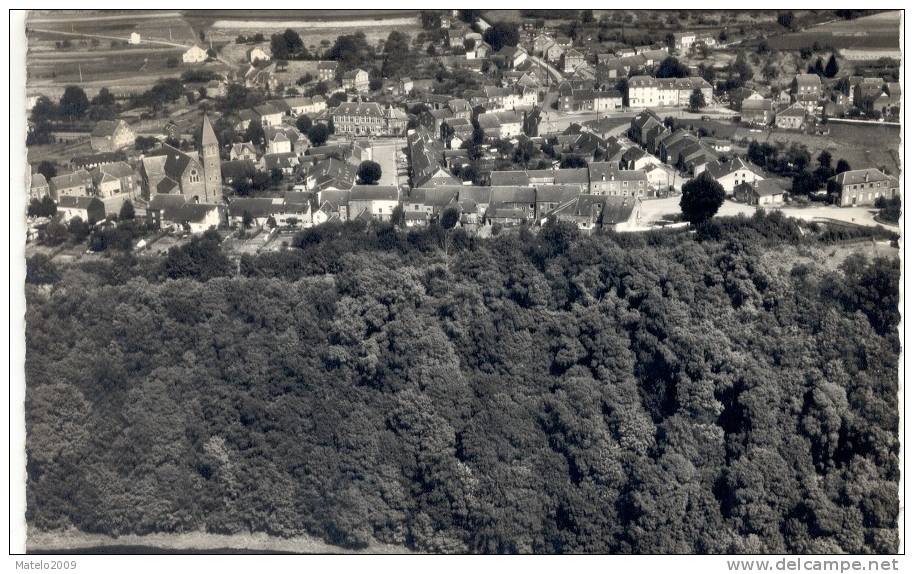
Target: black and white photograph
526	279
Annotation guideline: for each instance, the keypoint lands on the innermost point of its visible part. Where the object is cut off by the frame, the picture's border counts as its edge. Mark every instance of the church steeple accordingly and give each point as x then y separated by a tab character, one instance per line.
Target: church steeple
212	164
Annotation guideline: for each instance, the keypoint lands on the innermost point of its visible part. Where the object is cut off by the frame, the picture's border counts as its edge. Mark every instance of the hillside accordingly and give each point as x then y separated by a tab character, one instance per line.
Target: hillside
719	392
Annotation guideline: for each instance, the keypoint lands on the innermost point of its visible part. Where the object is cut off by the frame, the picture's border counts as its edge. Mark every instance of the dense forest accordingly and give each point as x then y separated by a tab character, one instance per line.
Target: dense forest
531	392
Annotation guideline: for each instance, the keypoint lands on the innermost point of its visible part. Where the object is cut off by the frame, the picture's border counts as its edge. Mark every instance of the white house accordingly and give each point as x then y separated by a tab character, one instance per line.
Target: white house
194	55
258	54
134	39
731	173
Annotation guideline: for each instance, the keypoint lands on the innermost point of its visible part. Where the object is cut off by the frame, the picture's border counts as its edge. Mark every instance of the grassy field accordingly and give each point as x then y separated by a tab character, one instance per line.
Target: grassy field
878	32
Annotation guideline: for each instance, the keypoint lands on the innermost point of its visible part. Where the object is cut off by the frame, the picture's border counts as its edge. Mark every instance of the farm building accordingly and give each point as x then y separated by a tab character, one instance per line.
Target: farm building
194	55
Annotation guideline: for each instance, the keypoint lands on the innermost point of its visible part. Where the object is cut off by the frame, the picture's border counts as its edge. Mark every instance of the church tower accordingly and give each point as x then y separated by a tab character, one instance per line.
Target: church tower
212	164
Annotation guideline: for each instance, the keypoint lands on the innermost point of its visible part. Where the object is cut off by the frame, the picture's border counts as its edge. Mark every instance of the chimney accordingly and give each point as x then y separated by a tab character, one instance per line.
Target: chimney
866	177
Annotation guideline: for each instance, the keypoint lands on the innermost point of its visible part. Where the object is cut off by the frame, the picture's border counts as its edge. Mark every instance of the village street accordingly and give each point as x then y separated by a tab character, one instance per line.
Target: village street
385	152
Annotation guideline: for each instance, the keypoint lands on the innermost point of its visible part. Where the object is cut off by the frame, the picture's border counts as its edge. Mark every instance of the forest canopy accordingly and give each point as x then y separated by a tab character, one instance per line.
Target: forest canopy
549	392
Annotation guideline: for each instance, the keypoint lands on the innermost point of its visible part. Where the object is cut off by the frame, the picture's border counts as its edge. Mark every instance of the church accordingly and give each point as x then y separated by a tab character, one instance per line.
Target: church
196	176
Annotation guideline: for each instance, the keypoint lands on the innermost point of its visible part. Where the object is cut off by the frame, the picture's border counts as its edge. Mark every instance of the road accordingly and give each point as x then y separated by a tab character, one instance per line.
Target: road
553	72
654	209
385	152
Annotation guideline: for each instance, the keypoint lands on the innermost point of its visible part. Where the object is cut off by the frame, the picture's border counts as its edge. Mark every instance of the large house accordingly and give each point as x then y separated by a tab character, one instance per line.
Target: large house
75	184
607	179
647	91
170	170
756	110
368	118
864	186
111	135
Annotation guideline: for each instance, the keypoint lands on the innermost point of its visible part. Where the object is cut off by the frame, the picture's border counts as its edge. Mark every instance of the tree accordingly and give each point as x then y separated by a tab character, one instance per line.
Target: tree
785	19
318	134
696	100
303	123
831	68
73	102
46	168
450	216
842	166
247	219
40	270
670	67
824	159
127	212
701	198
369	172
78	229
255	134
501	34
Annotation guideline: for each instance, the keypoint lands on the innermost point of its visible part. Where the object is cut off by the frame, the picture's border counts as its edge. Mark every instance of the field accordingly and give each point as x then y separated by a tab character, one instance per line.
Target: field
879	32
861	145
316	29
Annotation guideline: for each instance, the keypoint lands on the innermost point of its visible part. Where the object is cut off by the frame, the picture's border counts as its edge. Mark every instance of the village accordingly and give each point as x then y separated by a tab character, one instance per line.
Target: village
475	122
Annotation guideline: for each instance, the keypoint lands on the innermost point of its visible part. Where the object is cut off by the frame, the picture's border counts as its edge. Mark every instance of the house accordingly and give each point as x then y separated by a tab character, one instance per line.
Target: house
309	106
731	173
607	179
378	201
284	139
572	61
620	213
75	184
684	40
512	56
134	39
111	135
757	111
89	209
764	193
501	124
259	210
662	179
864	187
791	118
326	71
38	186
550	196
460	108
198	218
258	54
286	162
269	114
553	53
541	43
194	55
243	151
584	211
578	177
807	90
642	123
114	179
355	80
330	173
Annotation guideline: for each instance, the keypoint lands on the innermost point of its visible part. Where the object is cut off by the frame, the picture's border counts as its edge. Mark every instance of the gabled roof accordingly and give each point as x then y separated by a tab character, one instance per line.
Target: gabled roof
867	175
374	193
718	169
105	128
509	178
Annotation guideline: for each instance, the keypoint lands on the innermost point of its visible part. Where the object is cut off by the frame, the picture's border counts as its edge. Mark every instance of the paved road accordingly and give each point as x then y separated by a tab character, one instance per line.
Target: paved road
385	152
553	72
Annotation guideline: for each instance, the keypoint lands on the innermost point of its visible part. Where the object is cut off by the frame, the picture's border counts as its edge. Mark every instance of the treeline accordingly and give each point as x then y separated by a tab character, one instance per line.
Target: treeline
663	392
